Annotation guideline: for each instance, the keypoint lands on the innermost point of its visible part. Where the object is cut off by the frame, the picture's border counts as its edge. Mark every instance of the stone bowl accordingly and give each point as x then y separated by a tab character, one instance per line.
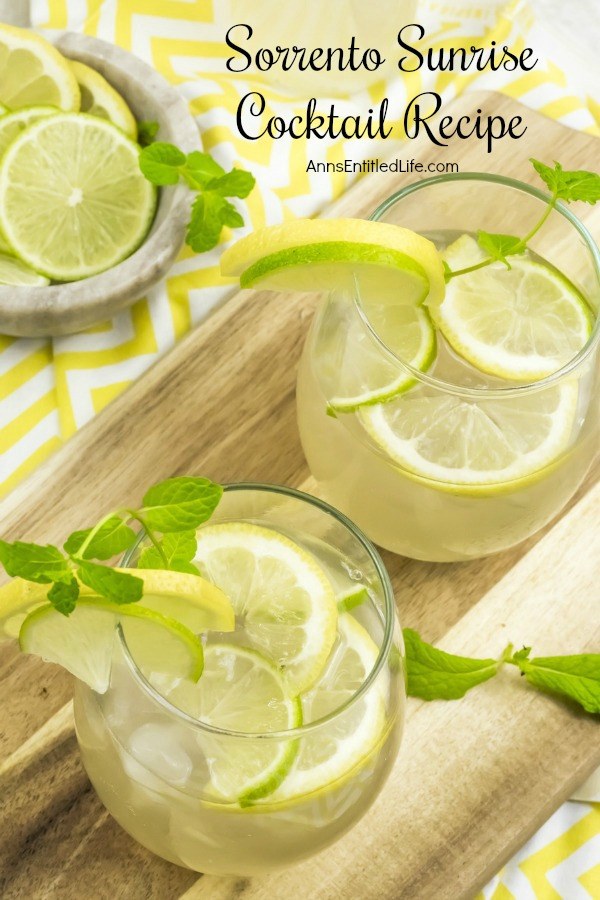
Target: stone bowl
66	308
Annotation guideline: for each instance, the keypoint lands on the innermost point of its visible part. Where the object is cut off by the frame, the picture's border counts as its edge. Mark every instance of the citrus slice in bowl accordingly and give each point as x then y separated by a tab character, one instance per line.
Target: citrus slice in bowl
281	596
12	124
99	98
17	273
73	201
33	72
522	323
336	254
83	642
327	755
241	691
474	443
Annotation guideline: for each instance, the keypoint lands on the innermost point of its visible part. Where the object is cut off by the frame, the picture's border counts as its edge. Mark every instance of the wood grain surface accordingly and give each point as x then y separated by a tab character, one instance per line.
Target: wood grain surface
474	778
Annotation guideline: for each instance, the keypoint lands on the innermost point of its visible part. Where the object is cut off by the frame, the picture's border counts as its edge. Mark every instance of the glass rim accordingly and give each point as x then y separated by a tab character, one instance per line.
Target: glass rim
384	648
497	392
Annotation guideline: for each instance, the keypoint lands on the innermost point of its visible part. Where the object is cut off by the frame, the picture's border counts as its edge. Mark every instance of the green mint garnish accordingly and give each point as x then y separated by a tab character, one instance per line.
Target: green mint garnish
147	131
170	513
567	186
165	164
436	675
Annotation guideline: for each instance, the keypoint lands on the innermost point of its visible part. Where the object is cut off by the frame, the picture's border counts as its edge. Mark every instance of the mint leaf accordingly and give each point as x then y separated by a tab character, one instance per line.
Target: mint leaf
230	216
237	183
147	131
577	676
179	549
160	163
499	246
435	675
204	228
180	504
113	537
200	169
63	597
34	562
110	583
568	186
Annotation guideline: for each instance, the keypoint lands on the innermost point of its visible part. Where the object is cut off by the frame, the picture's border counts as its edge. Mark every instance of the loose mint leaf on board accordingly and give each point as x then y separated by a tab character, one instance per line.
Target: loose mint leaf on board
179	549
499	246
34	562
237	183
180	504
436	675
206	222
113	537
160	163
147	131
577	676
201	169
574	185
119	587
63	597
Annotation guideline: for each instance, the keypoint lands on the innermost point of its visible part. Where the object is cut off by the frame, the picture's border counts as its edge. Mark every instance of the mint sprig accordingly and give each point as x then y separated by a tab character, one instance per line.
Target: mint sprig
165	164
433	674
563	185
169	514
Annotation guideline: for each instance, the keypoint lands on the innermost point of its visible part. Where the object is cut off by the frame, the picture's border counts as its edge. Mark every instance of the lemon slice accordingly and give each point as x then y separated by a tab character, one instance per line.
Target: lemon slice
12	124
15	272
83	642
33	72
469	442
241	690
99	98
281	596
73	201
194	602
354	369
332	254
327	755
521	323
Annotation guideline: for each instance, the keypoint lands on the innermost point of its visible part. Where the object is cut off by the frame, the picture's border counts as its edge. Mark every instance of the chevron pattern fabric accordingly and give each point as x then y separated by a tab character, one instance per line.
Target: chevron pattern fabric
49	389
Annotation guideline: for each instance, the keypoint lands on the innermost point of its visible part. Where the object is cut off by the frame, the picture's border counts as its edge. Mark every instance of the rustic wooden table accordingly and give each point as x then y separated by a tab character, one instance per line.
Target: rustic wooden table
474	778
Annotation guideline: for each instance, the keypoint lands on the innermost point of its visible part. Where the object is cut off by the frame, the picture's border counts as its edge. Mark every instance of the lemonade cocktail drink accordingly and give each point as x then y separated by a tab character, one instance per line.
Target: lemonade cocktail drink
461	458
291	730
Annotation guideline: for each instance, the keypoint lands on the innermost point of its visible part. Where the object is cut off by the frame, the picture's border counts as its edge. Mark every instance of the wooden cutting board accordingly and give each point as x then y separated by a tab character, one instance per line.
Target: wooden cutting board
474	779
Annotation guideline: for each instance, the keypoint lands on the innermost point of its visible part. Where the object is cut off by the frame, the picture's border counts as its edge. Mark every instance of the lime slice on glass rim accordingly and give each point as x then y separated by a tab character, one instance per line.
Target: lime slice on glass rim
73	201
521	324
99	98
279	593
241	691
83	642
33	72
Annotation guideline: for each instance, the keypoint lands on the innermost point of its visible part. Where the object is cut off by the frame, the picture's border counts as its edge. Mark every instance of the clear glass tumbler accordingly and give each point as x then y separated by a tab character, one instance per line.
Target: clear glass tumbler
424	516
150	762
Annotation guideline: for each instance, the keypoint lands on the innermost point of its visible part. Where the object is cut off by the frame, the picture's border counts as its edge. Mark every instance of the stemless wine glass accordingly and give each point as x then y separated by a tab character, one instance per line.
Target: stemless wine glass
418	511
150	761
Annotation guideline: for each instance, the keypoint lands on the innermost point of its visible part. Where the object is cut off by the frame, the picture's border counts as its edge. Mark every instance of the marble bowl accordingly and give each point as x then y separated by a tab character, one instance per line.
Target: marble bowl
66	308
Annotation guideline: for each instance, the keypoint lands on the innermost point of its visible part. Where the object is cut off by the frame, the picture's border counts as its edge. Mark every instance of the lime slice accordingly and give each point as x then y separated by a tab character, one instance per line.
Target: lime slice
351	598
73	201
281	597
194	602
332	254
328	754
241	690
15	272
358	372
33	72
474	442
83	642
521	323
99	98
14	123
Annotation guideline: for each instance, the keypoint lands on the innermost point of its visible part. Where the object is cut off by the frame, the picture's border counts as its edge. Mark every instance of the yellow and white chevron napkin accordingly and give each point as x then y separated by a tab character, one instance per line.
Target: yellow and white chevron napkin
49	389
